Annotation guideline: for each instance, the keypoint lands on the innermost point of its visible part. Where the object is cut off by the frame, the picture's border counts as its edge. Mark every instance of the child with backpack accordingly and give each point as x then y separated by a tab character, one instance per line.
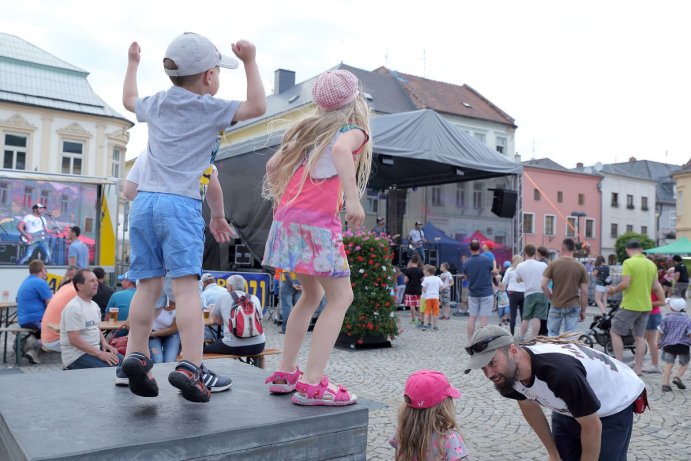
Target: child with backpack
427	429
323	159
675	341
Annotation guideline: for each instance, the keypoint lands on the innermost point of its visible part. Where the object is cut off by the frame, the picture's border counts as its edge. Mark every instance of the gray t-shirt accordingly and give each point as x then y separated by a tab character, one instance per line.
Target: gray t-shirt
79	250
222	309
85	317
184	130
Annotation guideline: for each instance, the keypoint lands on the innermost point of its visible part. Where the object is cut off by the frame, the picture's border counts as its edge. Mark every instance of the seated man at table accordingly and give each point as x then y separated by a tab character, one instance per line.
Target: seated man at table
33	296
229	343
50	337
82	343
122	299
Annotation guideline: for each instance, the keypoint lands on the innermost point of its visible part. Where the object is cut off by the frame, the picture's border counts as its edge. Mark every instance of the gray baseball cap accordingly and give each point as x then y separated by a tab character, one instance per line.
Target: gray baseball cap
194	54
484	344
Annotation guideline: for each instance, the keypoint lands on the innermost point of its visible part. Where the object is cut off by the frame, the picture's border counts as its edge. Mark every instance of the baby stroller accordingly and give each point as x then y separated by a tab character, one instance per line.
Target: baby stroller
599	333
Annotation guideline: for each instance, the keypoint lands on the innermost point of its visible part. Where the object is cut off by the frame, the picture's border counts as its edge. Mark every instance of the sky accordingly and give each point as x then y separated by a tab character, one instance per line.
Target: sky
587	81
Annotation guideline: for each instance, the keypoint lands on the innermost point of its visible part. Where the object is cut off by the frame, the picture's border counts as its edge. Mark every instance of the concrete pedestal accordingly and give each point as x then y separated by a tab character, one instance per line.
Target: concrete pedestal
81	414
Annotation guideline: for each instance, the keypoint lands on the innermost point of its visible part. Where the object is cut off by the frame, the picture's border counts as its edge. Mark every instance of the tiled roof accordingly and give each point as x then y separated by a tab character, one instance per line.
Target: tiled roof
35	77
447	98
544	163
387	97
647	169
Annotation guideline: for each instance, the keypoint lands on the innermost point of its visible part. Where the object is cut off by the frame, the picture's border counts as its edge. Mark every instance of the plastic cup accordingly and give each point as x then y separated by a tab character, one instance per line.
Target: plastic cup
113	315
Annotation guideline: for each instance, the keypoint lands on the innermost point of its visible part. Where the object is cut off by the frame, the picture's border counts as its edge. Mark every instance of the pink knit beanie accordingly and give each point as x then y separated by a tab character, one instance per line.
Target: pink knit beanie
334	89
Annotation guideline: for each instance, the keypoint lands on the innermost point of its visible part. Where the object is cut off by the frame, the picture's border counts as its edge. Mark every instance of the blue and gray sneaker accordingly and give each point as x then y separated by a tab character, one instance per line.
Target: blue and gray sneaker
121	378
215	382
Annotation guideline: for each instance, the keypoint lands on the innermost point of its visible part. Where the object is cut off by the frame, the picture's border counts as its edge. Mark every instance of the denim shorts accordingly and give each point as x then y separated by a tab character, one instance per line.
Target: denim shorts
654	321
166	234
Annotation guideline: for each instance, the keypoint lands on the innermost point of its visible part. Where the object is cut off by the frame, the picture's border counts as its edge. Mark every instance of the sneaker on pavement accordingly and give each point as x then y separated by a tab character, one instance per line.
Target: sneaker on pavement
32	356
121	378
215	382
650	369
677	382
666	388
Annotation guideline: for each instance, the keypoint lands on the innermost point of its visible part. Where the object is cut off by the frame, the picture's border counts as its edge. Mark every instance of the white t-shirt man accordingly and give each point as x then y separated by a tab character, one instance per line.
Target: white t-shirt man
222	309
530	272
34	224
85	317
416	237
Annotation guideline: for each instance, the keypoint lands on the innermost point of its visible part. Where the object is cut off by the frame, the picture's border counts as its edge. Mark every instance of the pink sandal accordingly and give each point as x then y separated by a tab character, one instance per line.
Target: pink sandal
286	387
321	394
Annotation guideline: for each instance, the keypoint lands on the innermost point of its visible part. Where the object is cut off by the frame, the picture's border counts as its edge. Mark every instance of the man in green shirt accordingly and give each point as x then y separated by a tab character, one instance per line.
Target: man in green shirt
638	276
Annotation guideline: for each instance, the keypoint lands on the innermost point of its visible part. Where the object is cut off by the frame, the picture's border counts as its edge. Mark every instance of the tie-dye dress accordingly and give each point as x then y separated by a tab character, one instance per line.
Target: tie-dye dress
306	233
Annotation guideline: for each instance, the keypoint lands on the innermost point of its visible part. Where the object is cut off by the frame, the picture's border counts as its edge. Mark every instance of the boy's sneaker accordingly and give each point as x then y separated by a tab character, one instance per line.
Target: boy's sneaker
650	369
135	368
677	382
188	378
214	382
121	378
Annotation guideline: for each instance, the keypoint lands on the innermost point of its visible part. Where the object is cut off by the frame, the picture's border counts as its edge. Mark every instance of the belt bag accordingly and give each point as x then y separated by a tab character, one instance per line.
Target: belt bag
641	403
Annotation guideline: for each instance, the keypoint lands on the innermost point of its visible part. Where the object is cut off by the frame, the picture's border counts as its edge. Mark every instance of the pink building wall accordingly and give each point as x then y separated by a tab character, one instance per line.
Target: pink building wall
549	183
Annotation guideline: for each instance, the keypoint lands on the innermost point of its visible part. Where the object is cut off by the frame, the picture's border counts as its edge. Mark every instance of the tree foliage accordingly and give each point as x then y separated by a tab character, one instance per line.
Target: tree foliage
620	244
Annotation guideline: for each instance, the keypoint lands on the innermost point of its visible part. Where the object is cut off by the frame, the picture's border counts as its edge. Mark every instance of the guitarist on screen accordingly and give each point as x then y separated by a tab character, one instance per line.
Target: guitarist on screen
32	230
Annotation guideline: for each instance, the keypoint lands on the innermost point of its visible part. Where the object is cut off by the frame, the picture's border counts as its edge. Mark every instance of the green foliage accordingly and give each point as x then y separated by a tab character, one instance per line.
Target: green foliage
620	244
372	278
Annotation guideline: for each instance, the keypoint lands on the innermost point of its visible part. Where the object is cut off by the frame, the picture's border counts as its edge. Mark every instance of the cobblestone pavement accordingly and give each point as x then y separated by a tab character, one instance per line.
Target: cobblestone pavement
491	425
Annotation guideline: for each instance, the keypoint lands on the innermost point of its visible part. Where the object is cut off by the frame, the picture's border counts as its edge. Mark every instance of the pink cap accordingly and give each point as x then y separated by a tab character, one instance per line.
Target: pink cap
334	89
428	388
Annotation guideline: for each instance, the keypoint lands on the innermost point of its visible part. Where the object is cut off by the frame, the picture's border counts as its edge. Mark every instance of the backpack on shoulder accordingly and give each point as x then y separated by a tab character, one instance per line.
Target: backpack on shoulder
245	320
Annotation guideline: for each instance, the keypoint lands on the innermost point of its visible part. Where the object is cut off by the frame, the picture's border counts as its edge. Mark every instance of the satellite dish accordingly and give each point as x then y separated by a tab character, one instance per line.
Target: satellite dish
598	166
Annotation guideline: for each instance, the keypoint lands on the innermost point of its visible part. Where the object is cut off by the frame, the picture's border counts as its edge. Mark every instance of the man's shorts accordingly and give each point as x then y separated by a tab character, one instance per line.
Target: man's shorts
535	307
480	306
432	307
166	233
412	301
445	297
625	322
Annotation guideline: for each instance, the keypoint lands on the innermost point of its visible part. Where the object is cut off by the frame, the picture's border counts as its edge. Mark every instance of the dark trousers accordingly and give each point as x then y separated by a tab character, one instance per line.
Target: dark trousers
219	347
516	299
89	361
614	442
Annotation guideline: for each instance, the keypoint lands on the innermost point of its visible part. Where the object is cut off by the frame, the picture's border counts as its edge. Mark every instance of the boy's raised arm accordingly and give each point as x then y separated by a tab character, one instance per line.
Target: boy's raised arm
255	105
130	93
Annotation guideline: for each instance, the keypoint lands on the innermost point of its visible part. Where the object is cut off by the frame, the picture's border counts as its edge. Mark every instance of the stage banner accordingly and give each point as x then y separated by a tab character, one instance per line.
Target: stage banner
258	283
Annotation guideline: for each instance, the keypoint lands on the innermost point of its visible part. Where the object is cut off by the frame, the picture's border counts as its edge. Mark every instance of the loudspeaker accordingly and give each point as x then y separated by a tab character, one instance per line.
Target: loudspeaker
504	203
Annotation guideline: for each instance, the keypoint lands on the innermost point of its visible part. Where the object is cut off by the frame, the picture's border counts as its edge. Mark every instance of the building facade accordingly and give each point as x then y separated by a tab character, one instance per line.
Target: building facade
560	203
682	179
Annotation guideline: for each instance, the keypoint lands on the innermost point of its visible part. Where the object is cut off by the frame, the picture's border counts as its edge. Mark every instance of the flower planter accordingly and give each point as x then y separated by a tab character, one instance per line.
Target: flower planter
367	341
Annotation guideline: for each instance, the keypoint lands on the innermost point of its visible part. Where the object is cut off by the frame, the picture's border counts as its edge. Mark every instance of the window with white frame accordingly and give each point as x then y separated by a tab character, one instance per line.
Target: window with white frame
45	198
571	226
477	195
501	144
460	195
644	230
116	163
72	157
528	223
629	201
589	228
614	230
550	224
436	195
673	219
14	156
4	193
28	198
480	137
372	201
64	203
644	203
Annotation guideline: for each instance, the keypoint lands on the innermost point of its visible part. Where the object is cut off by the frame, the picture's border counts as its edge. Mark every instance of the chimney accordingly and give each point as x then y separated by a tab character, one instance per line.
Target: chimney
283	79
632	159
579	165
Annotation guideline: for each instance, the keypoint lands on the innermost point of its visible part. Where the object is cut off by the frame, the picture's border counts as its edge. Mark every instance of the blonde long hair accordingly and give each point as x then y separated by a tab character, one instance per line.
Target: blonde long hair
312	135
417	428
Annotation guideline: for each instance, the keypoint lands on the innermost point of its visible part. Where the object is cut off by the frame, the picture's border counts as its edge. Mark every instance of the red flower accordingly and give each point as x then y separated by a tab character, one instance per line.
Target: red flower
359	341
370	326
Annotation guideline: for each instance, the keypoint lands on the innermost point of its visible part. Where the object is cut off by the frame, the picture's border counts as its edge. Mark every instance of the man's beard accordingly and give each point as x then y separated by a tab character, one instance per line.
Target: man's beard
505	386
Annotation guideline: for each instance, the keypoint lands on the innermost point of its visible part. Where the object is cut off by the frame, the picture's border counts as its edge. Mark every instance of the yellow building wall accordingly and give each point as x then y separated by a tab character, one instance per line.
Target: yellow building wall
683	184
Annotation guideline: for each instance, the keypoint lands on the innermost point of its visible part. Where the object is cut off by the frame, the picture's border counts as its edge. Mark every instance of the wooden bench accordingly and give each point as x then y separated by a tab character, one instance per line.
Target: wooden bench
18	332
256	360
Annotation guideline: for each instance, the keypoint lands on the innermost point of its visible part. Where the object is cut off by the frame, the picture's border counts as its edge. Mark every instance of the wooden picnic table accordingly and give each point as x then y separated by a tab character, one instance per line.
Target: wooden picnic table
107	326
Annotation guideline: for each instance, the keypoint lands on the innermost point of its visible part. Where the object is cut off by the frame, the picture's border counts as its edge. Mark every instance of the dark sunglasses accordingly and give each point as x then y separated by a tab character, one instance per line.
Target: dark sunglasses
481	345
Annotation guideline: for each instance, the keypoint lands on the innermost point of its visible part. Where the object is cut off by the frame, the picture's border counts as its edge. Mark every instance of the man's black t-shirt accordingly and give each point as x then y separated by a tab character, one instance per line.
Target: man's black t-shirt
683	273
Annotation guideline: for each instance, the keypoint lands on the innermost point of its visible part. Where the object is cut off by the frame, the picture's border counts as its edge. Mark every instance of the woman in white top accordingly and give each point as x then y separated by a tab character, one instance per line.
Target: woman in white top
164	340
229	343
516	291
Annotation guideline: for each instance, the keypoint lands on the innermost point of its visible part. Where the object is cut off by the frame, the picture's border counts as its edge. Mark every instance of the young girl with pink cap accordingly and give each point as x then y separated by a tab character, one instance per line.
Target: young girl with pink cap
323	161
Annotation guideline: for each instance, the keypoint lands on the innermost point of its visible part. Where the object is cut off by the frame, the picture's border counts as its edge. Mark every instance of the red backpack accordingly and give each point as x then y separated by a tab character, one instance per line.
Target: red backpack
245	320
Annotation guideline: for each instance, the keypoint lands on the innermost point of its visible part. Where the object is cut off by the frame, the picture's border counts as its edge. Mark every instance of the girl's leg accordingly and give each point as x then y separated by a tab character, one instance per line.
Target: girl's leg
651	339
189	319
598	300
299	321
339	296
141	315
